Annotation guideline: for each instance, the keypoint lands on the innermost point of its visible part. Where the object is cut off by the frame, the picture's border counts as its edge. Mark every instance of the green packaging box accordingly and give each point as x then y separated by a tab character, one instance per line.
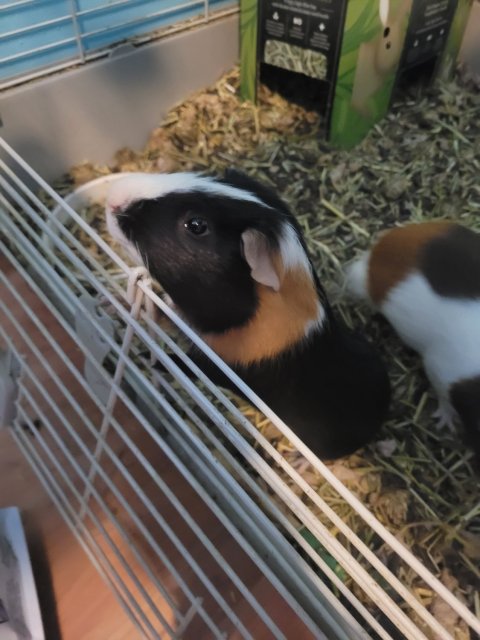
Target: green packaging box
356	51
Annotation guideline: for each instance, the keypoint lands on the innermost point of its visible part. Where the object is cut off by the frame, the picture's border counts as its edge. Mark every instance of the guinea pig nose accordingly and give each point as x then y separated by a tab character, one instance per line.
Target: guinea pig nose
115	208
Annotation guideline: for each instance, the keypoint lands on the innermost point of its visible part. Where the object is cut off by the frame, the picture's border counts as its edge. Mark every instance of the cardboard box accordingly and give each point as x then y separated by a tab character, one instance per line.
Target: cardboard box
372	47
300	36
451	53
355	51
433	41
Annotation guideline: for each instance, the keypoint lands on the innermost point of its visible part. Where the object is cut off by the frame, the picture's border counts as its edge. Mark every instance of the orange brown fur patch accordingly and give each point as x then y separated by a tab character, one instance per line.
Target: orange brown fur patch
396	254
280	322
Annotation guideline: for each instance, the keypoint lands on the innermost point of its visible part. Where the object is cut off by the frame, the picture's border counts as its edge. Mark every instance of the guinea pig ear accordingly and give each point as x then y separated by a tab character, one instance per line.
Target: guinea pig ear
259	257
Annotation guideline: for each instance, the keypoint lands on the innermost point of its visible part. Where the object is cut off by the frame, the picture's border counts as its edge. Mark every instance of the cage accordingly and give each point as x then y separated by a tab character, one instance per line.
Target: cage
172	492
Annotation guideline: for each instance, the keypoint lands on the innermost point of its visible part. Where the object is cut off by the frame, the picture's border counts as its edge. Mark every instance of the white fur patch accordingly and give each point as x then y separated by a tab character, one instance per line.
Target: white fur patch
98	189
291	250
445	331
294	256
92	192
356	277
140	186
118	236
316	323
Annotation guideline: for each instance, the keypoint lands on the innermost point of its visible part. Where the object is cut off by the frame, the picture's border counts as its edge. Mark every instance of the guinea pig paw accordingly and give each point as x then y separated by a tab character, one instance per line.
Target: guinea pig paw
444	416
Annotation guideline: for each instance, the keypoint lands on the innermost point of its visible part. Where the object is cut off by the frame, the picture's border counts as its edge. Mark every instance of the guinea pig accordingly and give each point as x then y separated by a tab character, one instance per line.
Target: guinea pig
232	258
425	279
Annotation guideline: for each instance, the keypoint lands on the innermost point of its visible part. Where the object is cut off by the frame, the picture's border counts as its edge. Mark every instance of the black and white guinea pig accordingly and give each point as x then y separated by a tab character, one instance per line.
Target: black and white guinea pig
425	279
232	258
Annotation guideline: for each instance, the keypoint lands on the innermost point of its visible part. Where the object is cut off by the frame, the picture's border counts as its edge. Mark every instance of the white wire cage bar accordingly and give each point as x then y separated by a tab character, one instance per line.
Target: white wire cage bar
120	416
38	37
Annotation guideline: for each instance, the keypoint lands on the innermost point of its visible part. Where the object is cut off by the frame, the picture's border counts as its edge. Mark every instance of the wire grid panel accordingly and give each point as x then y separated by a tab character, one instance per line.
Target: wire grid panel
158	448
40	36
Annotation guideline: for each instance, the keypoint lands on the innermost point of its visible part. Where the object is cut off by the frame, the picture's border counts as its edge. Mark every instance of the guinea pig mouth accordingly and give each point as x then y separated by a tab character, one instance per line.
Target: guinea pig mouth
119	237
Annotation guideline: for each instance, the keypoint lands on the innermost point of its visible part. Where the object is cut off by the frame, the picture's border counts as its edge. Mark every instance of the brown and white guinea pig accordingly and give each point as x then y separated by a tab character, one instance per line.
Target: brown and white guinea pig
231	257
425	279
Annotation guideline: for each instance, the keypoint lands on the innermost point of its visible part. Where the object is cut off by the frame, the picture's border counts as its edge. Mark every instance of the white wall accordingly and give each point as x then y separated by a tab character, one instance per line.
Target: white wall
90	112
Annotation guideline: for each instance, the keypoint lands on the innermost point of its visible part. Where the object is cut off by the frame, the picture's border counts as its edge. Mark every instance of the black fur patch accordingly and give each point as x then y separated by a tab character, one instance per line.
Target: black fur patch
465	398
332	390
451	263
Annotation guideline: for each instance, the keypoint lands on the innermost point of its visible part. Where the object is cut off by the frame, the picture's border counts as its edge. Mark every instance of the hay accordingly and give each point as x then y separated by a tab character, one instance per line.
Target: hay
420	162
293	58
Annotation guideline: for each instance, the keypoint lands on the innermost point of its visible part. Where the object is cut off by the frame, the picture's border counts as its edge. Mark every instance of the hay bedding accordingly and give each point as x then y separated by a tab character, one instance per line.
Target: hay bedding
420	162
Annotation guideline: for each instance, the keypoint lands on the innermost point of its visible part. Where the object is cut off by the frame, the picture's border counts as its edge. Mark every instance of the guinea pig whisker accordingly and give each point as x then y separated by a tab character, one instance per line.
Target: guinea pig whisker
145	260
143	256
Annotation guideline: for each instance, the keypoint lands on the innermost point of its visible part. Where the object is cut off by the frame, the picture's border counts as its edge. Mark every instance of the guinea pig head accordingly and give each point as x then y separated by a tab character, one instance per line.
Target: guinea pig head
227	252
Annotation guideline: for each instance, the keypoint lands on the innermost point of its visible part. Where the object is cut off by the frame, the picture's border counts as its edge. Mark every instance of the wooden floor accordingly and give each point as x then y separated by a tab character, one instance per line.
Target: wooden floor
75	602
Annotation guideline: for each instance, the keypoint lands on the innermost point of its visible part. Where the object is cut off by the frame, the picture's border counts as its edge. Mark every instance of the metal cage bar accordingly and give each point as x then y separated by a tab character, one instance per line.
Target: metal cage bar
210	442
349	560
98	469
37	221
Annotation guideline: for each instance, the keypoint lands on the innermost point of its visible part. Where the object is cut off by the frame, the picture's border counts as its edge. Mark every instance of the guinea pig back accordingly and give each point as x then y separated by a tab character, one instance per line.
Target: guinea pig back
425	279
231	256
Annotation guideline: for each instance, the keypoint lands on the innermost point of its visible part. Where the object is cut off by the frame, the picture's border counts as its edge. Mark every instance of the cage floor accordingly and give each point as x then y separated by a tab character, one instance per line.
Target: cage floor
74	600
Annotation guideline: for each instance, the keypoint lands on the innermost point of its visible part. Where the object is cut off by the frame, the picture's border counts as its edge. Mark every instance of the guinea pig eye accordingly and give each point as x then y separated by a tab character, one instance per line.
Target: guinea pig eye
197	226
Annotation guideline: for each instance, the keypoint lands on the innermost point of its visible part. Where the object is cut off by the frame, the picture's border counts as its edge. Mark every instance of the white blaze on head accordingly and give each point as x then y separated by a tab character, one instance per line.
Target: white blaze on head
291	250
148	186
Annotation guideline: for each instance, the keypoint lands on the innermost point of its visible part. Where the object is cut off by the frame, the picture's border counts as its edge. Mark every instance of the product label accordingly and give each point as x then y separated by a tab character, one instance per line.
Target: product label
427	31
302	35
